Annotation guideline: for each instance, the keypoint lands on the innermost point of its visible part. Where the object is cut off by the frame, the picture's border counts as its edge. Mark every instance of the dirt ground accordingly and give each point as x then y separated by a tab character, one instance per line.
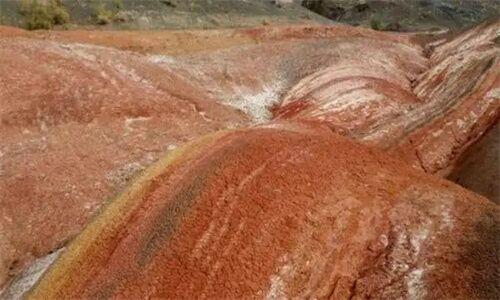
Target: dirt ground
259	213
84	112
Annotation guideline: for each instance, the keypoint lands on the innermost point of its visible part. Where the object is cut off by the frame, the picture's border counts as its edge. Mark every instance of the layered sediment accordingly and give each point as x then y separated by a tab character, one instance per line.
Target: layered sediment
79	121
76	123
282	211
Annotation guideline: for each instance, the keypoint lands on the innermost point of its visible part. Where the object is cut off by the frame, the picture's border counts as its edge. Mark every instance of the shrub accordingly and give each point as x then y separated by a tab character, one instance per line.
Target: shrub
394	26
37	15
105	12
3	19
102	15
376	23
59	14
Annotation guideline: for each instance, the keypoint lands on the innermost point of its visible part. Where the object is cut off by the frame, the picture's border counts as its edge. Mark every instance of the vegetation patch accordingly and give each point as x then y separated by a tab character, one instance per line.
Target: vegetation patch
376	23
43	15
105	12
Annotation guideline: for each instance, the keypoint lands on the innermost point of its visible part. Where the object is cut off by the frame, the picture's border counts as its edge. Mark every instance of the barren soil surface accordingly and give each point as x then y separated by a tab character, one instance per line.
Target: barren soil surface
77	122
83	112
259	213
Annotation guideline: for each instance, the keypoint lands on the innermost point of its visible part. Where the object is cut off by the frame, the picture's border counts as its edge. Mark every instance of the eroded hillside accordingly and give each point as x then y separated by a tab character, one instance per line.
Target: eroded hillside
283	210
83	112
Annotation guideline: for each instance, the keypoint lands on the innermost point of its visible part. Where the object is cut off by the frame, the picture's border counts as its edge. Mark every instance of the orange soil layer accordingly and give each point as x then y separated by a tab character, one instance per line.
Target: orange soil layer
181	42
283	210
462	99
76	122
428	110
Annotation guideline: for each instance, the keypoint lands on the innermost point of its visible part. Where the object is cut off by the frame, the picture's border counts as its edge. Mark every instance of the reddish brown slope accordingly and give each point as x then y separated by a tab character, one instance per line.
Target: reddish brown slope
370	85
283	211
462	99
183	42
76	121
430	119
256	77
375	87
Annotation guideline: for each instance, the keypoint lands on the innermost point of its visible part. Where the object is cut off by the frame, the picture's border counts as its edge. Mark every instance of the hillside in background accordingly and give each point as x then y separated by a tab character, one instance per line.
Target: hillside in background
393	15
406	15
172	14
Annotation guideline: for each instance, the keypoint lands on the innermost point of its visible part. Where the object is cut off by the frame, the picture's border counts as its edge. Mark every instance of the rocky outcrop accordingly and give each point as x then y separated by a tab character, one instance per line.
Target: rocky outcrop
283	210
404	15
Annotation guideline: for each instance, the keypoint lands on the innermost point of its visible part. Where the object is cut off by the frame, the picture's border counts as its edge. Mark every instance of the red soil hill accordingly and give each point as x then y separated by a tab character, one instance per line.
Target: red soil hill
283	210
76	122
